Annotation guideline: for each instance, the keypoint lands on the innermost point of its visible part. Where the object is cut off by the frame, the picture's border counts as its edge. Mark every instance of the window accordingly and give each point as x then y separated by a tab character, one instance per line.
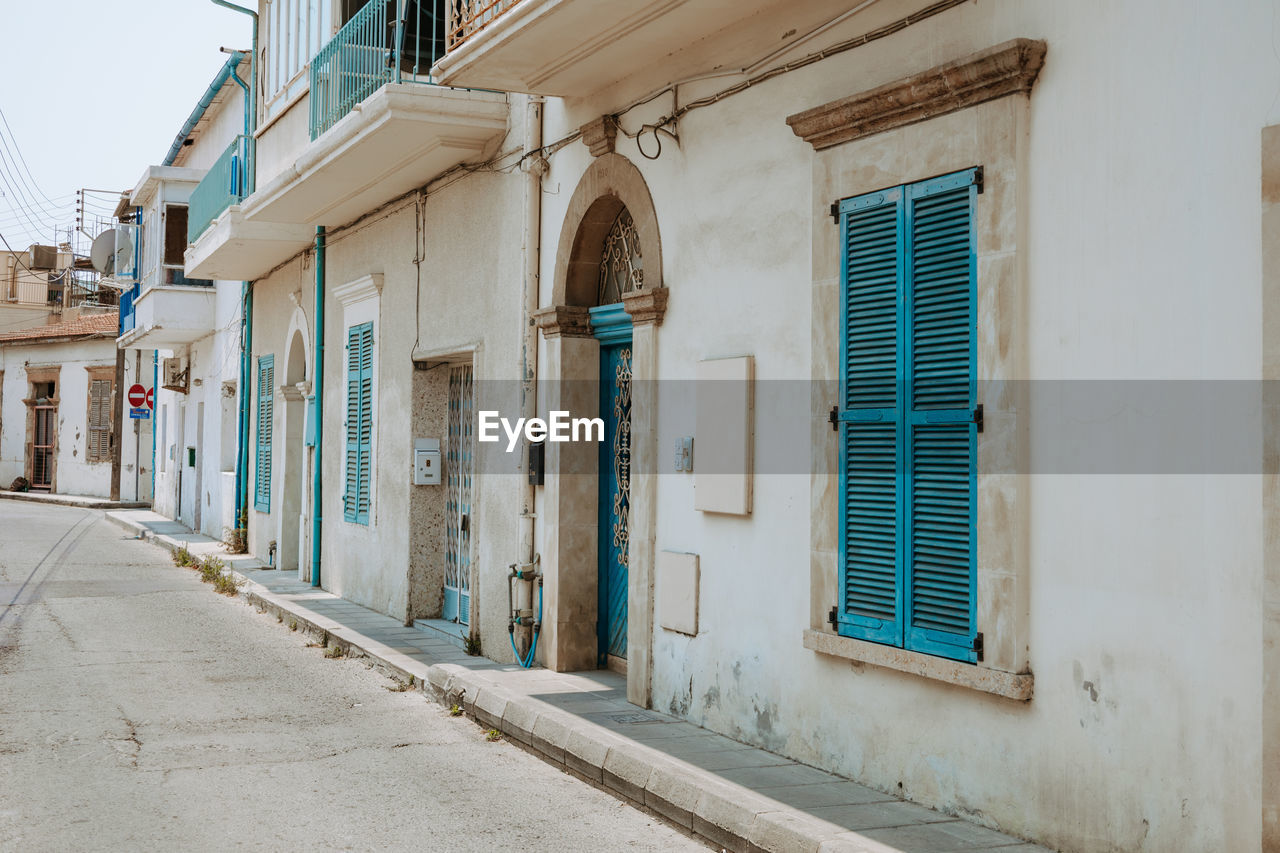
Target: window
355	500
98	447
907	418
266	411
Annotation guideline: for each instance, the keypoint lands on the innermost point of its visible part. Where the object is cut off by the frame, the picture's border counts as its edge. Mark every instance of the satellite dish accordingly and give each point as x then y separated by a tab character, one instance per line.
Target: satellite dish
103	253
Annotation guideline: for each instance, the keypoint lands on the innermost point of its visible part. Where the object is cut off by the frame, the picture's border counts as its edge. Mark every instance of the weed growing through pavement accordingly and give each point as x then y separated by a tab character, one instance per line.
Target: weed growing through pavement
473	645
493	735
211	569
293	624
335	652
226	584
399	686
183	557
455	711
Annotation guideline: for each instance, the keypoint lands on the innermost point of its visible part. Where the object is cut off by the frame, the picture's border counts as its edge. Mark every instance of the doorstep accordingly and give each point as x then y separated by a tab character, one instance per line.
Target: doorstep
736	796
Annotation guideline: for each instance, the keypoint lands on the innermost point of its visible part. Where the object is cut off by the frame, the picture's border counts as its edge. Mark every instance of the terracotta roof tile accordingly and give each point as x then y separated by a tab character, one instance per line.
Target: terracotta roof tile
91	325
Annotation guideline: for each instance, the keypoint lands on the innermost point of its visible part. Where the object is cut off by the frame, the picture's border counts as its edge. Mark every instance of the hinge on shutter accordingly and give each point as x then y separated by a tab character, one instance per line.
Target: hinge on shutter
831	617
977	644
835	211
977	417
834	418
977	178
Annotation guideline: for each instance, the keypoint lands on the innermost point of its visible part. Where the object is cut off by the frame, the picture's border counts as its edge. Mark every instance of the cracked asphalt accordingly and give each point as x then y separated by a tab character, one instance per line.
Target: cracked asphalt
141	711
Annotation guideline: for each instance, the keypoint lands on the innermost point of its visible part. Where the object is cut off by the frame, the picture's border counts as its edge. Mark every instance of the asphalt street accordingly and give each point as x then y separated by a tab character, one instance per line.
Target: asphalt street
139	710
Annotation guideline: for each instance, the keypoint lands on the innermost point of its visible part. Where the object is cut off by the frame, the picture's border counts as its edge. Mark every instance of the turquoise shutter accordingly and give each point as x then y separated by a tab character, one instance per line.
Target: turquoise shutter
870	446
266	401
908	437
941	436
355	499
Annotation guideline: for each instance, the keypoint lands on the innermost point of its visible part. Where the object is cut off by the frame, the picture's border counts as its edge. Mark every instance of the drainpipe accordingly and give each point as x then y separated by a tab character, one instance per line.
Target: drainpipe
535	167
317	382
242	429
253	63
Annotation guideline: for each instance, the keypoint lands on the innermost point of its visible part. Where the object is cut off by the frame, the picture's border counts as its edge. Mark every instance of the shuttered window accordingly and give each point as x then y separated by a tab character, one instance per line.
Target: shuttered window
908	432
266	419
98	448
355	498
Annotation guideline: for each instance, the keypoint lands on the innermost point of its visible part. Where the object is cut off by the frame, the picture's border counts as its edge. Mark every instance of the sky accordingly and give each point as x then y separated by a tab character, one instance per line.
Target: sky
94	94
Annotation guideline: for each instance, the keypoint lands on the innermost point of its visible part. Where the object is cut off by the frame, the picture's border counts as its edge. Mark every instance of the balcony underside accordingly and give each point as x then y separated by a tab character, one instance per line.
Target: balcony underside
572	48
234	248
396	140
170	316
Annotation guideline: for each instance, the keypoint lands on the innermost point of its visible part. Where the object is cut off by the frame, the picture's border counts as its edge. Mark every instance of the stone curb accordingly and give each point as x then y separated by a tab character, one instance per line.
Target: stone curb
170	544
70	500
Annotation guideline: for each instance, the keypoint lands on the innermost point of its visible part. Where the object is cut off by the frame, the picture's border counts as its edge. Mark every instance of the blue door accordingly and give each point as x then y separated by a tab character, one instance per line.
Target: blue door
612	327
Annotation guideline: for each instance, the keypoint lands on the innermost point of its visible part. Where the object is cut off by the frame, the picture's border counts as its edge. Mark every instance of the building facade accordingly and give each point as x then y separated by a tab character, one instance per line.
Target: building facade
887	480
58	400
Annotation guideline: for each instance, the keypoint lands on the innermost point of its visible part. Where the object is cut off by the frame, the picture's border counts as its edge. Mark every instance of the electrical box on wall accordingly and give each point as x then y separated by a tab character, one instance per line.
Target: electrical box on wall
309	421
427	468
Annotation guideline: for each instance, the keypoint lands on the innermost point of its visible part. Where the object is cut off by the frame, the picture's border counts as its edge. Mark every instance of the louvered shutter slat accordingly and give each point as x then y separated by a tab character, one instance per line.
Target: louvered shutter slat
266	419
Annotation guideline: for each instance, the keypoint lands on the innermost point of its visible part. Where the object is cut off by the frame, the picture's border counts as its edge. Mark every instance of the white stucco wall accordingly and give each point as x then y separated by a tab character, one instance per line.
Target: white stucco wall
73	475
1143	263
470	302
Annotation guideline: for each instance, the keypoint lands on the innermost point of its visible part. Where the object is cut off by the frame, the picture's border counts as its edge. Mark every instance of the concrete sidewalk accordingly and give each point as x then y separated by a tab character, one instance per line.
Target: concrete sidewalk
70	500
735	796
172	535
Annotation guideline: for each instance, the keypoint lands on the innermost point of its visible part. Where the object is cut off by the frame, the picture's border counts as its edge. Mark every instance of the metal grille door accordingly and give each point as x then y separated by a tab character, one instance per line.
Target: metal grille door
461	441
42	448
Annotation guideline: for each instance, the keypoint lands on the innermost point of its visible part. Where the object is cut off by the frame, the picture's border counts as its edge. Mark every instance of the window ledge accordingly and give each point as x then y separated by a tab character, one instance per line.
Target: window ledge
1007	684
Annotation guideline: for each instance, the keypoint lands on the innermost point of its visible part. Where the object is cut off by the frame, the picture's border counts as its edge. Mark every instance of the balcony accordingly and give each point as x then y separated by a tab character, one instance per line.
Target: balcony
572	48
167	316
379	126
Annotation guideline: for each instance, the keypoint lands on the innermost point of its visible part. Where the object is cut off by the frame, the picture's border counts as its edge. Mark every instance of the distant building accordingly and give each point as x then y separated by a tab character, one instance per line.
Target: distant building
57	404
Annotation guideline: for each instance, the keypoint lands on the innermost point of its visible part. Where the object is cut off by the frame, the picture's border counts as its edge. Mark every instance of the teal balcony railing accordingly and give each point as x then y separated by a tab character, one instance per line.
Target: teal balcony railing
230	179
386	41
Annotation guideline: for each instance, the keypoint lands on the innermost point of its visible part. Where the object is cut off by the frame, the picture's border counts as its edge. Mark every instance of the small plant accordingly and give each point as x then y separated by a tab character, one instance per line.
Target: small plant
183	557
227	584
335	652
236	539
473	645
279	617
455	710
211	569
399	686
493	735
293	624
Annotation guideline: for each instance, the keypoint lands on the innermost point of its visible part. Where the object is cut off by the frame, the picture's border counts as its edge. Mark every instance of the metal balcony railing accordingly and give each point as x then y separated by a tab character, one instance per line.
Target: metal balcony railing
230	179
468	17
386	41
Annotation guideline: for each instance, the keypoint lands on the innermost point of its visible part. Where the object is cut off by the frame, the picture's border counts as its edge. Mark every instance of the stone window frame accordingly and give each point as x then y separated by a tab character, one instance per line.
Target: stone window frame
971	112
97	373
47	373
361	302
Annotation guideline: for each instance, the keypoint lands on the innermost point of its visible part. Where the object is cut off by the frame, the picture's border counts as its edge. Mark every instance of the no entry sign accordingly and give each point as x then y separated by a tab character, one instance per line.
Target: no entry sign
139	397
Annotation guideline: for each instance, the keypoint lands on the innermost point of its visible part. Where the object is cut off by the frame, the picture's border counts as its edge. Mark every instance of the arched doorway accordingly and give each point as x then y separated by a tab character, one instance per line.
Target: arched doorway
292	544
599	500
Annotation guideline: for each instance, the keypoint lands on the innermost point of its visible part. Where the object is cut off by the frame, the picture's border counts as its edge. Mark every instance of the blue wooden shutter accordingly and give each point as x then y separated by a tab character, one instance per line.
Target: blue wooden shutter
870	414
266	404
355	499
941	437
